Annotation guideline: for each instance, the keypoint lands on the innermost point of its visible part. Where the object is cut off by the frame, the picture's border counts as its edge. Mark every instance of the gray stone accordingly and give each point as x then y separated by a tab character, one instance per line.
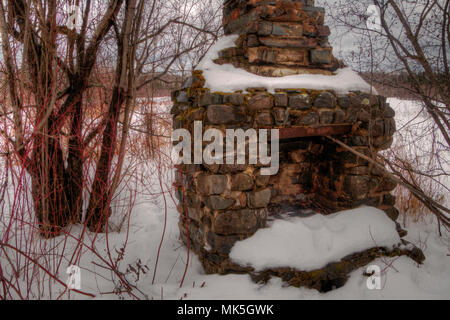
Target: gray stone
325	100
221	244
260	180
288	43
252	41
194	213
369	99
358	141
326	117
223	114
211	184
377	128
232	168
355	100
352	115
265	28
214	168
389	127
241	182
209	99
389	112
219	203
363	116
182	97
259	199
319	56
339	116
281	99
392	213
383	143
264	119
196	115
237	99
323	31
389	200
236	222
237	25
357	186
283	29
309	119
193	200
300	102
281	115
260	102
343	101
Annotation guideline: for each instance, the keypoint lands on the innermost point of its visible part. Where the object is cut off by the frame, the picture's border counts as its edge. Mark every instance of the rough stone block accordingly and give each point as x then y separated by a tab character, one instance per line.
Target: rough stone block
236	222
209	99
285	29
281	100
220	243
326	117
281	115
325	100
343	101
260	102
264	119
211	184
237	99
265	28
310	119
223	114
300	102
357	186
219	203
289	43
241	182
259	199
321	56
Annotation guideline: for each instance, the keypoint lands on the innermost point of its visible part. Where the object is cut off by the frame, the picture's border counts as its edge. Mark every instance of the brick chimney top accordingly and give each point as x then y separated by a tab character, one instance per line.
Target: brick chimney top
278	38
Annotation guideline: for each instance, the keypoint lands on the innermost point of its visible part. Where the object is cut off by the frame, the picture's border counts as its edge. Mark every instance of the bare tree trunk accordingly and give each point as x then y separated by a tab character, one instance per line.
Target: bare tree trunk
50	195
99	203
75	181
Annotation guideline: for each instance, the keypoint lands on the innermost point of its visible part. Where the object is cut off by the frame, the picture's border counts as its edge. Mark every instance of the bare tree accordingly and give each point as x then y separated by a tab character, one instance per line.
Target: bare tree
413	38
143	29
57	85
53	71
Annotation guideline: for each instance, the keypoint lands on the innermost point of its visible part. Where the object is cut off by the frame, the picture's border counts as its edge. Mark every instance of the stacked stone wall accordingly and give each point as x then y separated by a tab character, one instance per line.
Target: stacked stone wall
220	204
224	203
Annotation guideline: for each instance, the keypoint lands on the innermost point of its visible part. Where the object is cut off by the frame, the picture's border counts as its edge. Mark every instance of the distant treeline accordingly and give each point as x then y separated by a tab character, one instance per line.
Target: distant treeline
396	84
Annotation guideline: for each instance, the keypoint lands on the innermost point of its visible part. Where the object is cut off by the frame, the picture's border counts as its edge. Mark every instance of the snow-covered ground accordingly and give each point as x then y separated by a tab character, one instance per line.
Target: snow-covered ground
153	259
401	277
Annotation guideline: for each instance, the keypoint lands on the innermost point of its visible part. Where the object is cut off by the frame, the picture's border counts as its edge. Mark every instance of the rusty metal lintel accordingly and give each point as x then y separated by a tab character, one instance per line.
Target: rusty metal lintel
314	131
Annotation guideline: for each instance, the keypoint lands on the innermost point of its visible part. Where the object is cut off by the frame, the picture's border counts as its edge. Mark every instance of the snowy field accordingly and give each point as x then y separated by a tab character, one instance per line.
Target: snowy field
401	278
153	259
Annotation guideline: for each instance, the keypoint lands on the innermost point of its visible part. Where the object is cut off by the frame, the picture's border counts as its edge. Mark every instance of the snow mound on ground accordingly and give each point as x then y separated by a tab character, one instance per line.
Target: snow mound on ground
227	78
311	243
